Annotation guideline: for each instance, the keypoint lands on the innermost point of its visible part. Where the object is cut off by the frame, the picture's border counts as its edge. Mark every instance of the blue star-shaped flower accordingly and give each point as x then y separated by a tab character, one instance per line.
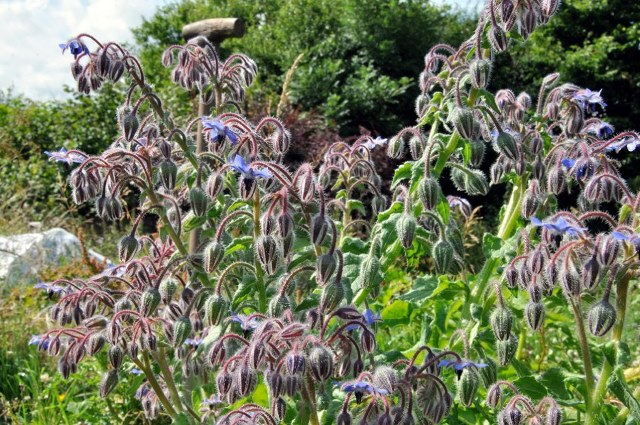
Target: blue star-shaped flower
135	371
193	342
588	99
368	317
50	288
580	171
460	365
631	143
218	131
245	323
75	47
63	156
40	340
374	143
361	387
601	129
559	227
240	165
211	402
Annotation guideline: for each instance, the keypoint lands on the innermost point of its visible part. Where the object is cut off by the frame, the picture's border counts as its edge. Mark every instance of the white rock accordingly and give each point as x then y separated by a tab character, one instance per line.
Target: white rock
22	256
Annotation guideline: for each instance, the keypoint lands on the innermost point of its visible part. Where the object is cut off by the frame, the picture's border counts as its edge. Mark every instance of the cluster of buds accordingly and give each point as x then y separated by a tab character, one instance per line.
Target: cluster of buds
519	409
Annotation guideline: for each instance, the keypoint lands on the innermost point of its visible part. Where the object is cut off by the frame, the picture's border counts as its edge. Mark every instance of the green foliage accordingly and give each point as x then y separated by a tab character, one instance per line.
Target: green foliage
357	72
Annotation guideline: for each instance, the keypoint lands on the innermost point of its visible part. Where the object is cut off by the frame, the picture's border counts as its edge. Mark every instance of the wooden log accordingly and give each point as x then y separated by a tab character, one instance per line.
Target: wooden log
216	29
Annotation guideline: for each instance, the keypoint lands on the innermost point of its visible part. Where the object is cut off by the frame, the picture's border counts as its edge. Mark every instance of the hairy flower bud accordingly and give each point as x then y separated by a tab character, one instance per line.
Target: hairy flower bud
369	269
344	418
325	267
498	39
378	204
368	341
268	253
416	147
501	323
507	146
181	330
465	122
167	289
149	301
428	192
590	274
278	305
395	147
130	124
609	249
468	384
168	172
212	256
279	409
385	377
601	318
480	72
127	247
553	416
570	281
319	228
534	313
108	382
442	252
215	309
494	396
556	180
506	349
489	374
199	201
321	362
477	151
116	356
96	343
331	296
406	229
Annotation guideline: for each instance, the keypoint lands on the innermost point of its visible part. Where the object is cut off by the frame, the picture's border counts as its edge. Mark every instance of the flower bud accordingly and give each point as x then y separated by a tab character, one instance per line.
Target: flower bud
475	182
477	149
319	228
325	267
534	312
198	200
498	39
385	377
501	323
368	341
480	72
291	384
215	184
406	229
149	301
609	249
506	349
494	396
321	362
442	252
468	384
167	289
428	192
496	172
556	180
130	125
279	409
465	122
116	70
108	382
181	331
395	147
553	416
268	253
127	247
378	204
344	418
168	171
116	356
358	367
416	147
215	308
570	281
489	374
96	343
601	318
246	380
212	256
530	204
331	296
369	269
590	273
278	305
514	415
507	146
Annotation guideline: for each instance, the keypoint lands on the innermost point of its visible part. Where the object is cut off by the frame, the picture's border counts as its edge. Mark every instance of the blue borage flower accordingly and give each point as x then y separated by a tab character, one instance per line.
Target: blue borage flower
361	387
218	131
64	156
588	99
368	317
601	129
193	342
460	365
463	205
245	323
211	402
559	226
580	171
374	143
75	47
40	340
631	143
240	165
50	287
136	371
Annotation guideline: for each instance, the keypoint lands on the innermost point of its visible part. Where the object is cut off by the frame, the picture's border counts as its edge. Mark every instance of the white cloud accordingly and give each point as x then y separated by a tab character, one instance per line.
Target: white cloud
30	60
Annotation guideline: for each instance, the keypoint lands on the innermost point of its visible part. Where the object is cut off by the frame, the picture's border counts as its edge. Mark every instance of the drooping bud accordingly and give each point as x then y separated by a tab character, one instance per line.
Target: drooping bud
368	341
149	301
514	415
534	312
570	281
369	269
489	374
212	256
506	349
385	377
406	228
601	318
468	384
215	184
280	408
321	362
416	147
116	356
494	396
130	124
96	343
168	172
556	180
501	323
167	289
477	150
480	72
344	418
127	247
442	252
268	253
181	330
507	146
331	296
215	309
428	192
378	204
591	273
465	122
395	147
325	267
108	382
198	200
554	415
278	305
609	249
319	228
475	182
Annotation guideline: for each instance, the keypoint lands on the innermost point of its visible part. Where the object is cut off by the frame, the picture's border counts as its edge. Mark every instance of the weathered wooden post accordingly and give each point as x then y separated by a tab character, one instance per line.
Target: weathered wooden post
216	30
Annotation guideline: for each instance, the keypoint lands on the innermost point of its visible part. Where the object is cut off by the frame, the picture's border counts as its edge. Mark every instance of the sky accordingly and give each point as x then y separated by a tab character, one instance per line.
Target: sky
30	31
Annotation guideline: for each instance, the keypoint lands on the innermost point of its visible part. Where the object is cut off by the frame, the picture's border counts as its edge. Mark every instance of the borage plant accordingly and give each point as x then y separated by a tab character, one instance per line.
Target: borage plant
258	301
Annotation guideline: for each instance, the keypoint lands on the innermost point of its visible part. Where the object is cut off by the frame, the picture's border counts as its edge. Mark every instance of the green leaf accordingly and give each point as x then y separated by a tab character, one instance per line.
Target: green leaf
192	222
490	244
530	387
619	388
356	205
396	313
554	379
490	100
181	419
443	209
309	302
402	173
422	289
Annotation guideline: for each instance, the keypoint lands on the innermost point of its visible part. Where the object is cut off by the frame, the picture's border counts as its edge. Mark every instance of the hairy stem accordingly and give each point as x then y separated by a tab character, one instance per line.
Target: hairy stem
262	290
146	368
584	349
